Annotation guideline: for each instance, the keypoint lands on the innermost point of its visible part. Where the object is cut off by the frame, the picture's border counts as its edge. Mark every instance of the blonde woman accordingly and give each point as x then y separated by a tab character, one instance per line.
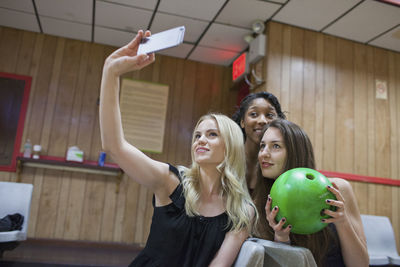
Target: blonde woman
202	214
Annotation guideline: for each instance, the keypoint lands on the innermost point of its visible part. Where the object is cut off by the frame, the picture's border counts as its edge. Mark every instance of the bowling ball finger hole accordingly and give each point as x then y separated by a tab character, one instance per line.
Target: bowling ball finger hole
322	213
310	176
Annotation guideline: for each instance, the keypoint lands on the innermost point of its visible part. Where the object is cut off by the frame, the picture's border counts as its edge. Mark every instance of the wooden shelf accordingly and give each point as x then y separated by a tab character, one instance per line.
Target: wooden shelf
58	163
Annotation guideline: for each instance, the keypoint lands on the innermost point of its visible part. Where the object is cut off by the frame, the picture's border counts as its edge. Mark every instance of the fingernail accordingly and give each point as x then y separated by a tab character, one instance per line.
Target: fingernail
328	201
275	208
269	199
323	220
290	227
283	219
329	186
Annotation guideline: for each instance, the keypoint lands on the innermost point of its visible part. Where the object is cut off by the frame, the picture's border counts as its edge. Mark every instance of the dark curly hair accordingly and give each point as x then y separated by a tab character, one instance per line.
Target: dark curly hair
245	103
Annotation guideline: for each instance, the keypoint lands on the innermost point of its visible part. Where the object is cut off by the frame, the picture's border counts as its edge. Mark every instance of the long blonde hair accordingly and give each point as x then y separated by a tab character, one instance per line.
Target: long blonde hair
232	169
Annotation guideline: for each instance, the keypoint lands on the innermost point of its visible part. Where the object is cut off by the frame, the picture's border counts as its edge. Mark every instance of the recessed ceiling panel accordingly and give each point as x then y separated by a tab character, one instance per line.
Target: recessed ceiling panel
366	21
72	10
66	29
112	37
243	13
213	56
22	5
122	17
225	37
390	40
313	14
148	4
200	9
180	51
193	28
18	20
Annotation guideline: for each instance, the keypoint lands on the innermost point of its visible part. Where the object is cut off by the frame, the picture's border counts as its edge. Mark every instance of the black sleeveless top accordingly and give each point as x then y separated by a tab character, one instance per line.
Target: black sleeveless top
176	239
334	257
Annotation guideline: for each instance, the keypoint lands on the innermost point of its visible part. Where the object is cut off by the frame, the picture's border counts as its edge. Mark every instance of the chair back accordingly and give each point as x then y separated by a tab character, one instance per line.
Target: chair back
381	242
15	198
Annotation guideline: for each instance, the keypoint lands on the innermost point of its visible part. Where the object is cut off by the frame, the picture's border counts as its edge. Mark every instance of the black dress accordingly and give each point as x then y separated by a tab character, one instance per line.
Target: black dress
176	239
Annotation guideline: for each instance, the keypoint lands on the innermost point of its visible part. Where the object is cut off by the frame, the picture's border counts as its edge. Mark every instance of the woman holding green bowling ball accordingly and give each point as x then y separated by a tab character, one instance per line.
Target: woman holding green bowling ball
284	145
254	112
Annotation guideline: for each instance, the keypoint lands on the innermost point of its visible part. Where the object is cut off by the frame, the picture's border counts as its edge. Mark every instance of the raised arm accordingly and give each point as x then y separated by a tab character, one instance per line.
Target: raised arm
150	173
348	223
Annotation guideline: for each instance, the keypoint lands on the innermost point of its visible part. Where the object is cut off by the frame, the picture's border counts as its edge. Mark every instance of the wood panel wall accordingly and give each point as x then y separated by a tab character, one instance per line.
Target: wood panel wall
327	85
63	111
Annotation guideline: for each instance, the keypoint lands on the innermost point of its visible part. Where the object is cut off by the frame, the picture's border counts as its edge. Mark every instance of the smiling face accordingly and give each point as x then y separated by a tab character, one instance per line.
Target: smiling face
272	155
259	113
208	146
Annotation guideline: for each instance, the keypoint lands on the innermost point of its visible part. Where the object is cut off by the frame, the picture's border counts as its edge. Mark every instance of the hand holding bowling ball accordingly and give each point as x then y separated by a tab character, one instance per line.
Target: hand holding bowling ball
301	195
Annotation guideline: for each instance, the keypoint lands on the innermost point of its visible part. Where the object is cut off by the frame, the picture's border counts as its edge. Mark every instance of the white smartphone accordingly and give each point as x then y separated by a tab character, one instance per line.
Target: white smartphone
162	40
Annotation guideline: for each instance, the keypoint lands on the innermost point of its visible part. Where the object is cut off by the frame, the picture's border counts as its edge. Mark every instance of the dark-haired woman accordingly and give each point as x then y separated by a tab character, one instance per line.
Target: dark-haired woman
254	112
284	146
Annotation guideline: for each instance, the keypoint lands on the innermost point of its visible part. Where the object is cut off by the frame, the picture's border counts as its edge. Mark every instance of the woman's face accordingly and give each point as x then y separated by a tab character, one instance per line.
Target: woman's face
272	154
208	146
259	113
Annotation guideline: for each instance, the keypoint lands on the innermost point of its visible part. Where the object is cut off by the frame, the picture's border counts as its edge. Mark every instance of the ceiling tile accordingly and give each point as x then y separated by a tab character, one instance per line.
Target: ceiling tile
313	14
72	10
112	37
22	5
122	17
148	4
213	56
243	13
193	28
19	20
225	37
66	29
390	40
366	21
180	51
203	9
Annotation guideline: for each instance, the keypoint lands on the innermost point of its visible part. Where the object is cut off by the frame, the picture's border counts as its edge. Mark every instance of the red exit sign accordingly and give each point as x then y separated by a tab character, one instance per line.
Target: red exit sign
239	67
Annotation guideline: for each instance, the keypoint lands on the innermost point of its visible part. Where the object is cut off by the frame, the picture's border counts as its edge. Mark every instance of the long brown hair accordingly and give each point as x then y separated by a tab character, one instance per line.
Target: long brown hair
300	153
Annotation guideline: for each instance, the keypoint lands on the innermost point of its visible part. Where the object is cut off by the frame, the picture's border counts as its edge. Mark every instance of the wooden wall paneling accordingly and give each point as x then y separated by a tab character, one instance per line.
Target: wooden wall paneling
62	126
11	41
284	98
382	135
229	95
33	72
215	96
344	143
42	61
329	103
123	233
394	144
396	205
360	124
274	58
25	53
186	120
201	104
371	129
95	185
319	101
296	76
89	83
309	81
47	207
78	84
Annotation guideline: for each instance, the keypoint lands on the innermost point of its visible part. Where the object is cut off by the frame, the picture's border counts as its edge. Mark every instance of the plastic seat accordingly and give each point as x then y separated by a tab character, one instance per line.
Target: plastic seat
259	252
381	242
15	198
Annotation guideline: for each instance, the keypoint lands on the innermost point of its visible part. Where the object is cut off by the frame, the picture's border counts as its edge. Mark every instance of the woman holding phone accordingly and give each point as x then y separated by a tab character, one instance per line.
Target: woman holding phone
202	214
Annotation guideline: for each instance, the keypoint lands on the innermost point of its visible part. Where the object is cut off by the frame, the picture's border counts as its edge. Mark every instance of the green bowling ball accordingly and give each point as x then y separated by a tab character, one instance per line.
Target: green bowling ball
300	194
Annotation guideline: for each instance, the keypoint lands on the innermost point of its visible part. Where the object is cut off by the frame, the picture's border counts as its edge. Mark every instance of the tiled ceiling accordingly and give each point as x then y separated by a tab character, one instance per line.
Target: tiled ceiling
215	29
